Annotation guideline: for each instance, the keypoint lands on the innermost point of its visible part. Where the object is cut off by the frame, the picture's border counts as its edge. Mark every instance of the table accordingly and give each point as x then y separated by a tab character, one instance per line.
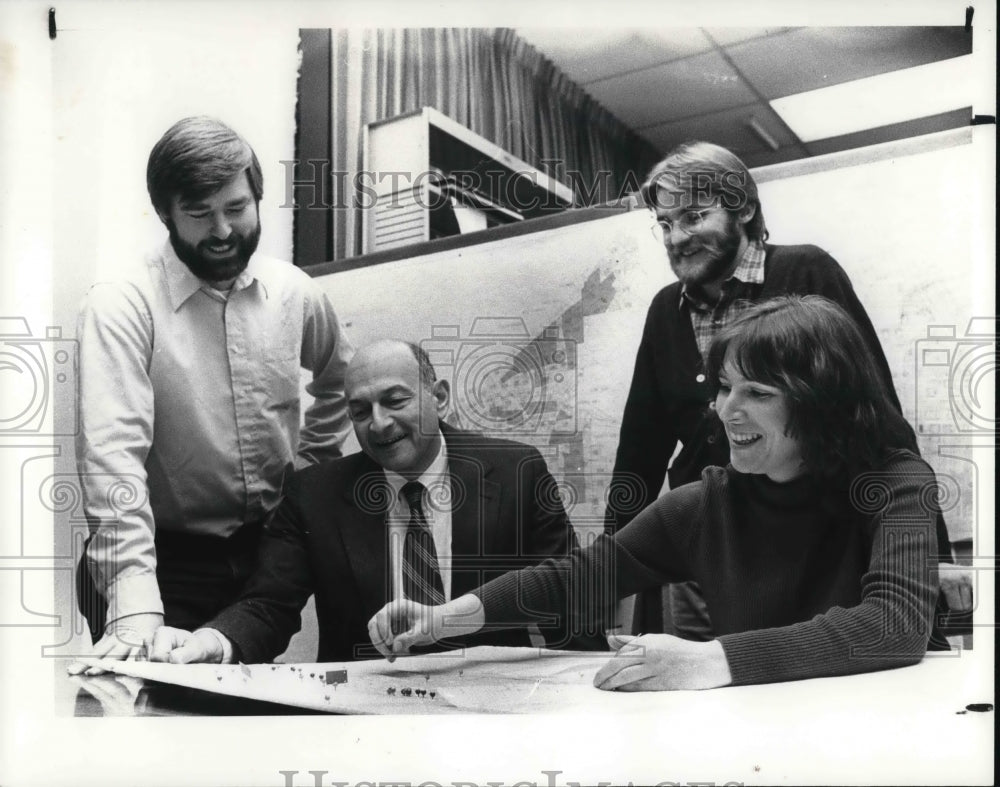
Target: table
905	725
484	680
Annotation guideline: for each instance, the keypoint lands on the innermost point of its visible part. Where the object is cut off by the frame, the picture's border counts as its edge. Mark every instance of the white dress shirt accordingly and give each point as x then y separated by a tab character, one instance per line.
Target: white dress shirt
189	407
436	506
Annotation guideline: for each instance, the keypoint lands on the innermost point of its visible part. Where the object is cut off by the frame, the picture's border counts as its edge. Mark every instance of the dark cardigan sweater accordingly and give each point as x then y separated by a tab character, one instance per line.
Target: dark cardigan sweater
800	583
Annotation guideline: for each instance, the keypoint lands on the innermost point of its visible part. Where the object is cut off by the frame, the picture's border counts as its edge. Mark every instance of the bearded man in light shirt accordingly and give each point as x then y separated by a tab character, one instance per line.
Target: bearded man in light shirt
189	397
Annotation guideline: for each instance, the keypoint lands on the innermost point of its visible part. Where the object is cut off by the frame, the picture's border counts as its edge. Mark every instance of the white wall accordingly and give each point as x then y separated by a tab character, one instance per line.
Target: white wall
118	87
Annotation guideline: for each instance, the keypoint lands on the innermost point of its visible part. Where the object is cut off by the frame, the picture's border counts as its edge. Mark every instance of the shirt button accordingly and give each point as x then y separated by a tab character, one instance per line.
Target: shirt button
700	378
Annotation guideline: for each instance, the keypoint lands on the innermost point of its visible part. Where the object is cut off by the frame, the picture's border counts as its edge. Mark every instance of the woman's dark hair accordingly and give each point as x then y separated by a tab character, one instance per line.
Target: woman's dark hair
810	348
196	157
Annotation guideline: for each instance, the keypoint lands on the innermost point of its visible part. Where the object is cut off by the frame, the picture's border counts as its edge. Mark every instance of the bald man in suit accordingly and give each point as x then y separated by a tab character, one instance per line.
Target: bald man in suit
346	529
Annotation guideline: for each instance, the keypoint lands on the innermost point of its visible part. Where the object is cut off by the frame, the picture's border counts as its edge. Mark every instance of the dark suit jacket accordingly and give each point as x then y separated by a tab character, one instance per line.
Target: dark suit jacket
329	537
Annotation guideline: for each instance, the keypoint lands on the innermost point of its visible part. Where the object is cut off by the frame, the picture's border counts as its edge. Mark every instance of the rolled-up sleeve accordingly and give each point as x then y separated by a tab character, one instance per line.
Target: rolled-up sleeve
326	351
115	338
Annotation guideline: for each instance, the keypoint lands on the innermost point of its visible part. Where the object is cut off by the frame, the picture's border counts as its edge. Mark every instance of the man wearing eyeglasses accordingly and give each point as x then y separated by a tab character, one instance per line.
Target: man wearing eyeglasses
708	210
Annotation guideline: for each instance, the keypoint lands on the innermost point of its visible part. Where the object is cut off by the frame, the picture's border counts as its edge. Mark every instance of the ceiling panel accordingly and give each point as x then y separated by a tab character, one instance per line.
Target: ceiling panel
693	86
814	57
729	128
586	55
674	84
727	36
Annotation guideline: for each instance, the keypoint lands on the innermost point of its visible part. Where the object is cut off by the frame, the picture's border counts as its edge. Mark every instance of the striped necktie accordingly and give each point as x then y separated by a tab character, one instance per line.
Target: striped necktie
421	577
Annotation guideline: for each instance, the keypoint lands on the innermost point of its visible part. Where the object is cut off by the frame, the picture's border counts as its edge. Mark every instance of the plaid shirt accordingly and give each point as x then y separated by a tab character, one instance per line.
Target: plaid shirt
708	319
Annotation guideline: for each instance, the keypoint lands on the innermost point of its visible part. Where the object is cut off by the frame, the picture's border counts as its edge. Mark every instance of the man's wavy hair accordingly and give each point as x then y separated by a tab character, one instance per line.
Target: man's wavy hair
196	157
810	348
703	168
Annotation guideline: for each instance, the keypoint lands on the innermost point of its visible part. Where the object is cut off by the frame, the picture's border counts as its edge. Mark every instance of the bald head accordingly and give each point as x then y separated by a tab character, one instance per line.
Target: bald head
391	351
395	410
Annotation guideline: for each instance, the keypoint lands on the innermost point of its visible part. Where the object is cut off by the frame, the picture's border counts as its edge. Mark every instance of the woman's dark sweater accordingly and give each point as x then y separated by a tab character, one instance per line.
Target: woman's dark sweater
800	583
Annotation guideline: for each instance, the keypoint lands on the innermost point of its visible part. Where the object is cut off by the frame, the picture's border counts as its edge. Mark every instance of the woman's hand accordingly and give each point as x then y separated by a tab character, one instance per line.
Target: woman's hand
402	624
660	662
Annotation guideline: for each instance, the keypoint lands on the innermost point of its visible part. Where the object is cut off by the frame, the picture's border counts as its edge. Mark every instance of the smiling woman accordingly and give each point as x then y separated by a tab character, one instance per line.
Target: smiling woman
812	547
756	419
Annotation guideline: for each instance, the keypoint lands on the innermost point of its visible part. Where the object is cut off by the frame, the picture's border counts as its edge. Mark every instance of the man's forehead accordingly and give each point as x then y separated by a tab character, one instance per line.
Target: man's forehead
671	196
236	190
378	369
373	389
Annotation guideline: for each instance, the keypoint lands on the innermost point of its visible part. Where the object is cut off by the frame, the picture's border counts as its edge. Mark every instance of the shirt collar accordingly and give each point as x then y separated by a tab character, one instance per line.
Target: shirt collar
749	270
182	284
429	478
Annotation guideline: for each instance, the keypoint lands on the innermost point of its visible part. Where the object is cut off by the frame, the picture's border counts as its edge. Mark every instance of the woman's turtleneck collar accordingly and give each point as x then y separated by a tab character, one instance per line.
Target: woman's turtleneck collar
797	493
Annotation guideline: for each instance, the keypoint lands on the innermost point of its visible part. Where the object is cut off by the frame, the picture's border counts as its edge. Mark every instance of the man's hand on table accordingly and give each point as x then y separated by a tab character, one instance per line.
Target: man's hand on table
661	662
177	646
125	638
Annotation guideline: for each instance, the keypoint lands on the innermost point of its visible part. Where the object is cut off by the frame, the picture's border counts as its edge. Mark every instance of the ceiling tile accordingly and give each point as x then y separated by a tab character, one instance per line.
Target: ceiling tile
589	54
727	36
729	128
814	57
693	86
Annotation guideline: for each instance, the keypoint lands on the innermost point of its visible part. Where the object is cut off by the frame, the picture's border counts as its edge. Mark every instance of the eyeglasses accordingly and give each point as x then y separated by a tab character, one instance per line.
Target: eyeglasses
690	221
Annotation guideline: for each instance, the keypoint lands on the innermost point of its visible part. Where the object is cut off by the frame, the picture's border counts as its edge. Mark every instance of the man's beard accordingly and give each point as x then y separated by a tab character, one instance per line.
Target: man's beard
721	250
213	269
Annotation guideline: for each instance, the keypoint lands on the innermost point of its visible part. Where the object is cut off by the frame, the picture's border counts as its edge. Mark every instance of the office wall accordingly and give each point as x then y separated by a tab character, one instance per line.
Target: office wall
117	88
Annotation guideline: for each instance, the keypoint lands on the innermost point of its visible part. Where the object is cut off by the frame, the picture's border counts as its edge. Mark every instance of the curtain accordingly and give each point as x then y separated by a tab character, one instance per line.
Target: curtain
489	80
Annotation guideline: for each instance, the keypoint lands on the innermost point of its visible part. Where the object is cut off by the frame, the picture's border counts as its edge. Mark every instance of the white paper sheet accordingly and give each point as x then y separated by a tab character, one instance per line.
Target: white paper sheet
477	680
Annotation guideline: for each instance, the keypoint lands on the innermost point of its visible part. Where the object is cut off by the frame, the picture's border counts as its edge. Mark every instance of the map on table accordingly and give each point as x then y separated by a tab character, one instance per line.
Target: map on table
476	680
